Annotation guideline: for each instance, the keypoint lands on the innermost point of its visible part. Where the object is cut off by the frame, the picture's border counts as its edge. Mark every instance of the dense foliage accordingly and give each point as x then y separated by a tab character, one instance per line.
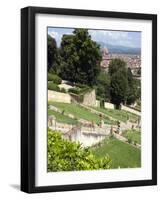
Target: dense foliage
102	86
53	86
54	78
133	89
64	155
123	87
116	65
79	90
52	54
118	89
80	58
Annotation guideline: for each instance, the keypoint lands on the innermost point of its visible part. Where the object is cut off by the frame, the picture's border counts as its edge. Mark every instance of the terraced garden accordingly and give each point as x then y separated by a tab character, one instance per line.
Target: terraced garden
79	112
62	118
133	135
120	115
123	155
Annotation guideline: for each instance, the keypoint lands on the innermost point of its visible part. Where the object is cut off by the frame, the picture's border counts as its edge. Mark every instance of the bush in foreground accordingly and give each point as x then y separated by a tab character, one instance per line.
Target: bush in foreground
64	155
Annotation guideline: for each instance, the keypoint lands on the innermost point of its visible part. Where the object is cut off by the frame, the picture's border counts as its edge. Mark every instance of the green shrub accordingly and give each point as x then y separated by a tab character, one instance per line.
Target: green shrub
64	155
81	85
79	91
54	78
52	86
63	90
129	140
74	90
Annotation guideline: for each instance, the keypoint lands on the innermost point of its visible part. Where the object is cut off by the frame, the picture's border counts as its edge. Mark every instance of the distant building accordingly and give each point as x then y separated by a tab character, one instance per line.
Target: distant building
105	59
133	61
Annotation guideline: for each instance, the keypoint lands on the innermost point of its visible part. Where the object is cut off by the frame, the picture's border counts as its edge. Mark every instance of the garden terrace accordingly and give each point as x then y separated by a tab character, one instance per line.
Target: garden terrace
79	112
123	154
120	115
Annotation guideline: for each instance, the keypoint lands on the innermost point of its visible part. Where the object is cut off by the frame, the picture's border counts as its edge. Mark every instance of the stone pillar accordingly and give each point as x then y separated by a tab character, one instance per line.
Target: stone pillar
52	121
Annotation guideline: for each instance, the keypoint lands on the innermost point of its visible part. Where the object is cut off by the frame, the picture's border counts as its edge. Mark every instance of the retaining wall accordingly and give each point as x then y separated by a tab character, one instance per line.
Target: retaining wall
59	97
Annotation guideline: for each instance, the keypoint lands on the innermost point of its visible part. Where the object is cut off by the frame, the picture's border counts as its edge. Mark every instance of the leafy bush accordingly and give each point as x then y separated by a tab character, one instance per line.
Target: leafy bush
80	90
129	140
52	86
74	90
81	85
54	78
64	155
63	90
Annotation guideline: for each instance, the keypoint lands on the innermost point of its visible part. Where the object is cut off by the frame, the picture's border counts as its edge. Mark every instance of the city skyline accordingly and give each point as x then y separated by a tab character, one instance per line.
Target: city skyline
120	38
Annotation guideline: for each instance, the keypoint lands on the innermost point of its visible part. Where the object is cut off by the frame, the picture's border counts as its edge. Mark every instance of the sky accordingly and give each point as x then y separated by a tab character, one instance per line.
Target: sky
121	38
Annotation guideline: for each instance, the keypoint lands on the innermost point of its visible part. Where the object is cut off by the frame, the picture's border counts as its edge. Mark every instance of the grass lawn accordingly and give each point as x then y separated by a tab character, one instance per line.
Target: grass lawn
62	118
133	135
120	115
80	112
123	155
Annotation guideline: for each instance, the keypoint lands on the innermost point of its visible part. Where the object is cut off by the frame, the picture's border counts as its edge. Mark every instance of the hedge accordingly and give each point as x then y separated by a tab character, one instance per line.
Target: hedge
54	78
52	86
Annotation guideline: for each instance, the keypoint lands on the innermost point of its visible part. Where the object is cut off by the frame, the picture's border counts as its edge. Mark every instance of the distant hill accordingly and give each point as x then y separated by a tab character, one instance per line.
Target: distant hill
120	49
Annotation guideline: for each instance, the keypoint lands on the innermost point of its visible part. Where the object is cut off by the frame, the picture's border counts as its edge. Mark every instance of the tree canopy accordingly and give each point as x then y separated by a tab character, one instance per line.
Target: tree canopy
81	58
116	65
103	86
123	87
52	53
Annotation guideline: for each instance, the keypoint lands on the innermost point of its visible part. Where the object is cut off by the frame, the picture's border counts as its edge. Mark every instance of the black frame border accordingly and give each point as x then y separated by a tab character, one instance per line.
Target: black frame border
28	98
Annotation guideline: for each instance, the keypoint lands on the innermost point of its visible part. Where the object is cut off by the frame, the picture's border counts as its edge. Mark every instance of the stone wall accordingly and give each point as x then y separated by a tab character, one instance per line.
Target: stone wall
59	97
90	98
130	110
97	104
109	105
85	138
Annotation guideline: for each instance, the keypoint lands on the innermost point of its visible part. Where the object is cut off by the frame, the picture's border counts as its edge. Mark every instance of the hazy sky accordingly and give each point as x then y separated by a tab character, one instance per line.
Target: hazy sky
123	38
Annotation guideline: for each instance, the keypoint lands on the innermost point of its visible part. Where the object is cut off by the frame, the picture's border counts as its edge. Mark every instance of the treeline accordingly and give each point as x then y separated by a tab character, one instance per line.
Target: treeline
78	60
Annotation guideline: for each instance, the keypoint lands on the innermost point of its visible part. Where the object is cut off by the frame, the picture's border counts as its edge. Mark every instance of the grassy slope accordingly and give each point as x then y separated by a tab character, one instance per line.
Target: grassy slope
123	155
134	135
62	118
79	112
120	115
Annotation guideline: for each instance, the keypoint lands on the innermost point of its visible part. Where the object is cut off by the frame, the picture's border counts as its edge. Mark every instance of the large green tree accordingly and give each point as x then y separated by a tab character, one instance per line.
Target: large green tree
103	85
116	65
52	54
81	58
118	88
119	82
123	87
132	93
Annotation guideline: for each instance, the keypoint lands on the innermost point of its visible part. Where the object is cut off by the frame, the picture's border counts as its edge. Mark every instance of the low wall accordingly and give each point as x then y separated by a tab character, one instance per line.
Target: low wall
130	110
87	136
87	139
59	97
97	103
109	105
90	98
